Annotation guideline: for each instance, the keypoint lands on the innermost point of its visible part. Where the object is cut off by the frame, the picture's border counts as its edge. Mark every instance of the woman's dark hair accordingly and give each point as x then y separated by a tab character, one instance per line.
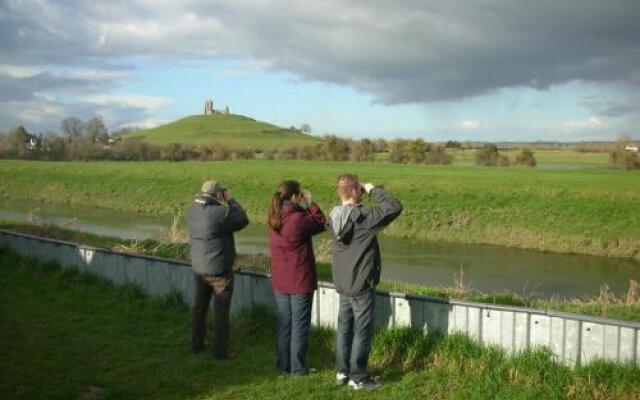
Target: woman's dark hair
286	190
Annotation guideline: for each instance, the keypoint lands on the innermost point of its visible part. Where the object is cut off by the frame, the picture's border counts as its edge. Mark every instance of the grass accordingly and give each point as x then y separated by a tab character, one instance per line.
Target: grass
568	210
231	130
63	333
606	304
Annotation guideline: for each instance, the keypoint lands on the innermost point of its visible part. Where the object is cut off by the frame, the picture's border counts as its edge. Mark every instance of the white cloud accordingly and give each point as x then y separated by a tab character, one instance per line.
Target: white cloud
469	124
591	122
151	103
145	123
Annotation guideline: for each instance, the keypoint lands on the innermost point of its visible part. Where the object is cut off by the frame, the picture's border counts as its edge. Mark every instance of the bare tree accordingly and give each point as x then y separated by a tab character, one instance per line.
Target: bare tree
72	128
96	130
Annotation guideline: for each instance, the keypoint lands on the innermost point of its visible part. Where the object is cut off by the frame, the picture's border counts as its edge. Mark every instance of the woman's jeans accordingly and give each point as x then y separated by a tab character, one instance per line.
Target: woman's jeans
294	323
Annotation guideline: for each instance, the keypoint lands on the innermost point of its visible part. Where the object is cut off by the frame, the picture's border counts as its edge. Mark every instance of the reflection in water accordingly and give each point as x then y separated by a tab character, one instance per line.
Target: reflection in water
485	268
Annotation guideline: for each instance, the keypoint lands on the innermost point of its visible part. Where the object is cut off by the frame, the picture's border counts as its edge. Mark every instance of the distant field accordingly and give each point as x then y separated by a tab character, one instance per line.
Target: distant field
545	158
589	210
231	130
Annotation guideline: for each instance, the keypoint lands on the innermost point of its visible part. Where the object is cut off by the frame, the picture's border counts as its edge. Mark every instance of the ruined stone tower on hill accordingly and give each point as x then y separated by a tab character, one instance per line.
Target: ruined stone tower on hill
209	110
208	107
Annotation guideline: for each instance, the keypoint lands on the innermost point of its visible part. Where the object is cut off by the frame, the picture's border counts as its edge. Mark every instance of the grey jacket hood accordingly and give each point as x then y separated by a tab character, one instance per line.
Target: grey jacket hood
343	218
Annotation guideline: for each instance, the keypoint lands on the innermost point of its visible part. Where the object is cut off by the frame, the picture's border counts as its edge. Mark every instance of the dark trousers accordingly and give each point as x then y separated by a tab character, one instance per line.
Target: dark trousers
355	330
294	324
222	289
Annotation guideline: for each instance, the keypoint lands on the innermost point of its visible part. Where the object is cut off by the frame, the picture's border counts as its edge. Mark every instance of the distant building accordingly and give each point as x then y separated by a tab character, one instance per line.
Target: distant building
208	107
209	110
632	148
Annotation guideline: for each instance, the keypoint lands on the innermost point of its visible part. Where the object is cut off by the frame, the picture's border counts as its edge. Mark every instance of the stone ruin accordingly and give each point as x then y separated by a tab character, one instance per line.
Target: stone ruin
209	110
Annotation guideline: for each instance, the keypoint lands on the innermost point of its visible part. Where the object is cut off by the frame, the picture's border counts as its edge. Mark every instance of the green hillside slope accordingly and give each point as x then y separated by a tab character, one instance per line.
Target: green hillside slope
229	129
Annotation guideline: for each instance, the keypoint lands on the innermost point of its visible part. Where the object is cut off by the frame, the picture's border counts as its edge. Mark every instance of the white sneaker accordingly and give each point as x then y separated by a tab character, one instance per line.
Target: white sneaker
342	379
365	384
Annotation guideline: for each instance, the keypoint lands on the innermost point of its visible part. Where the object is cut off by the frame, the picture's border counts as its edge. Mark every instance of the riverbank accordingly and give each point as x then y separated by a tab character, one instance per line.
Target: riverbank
606	304
74	335
583	210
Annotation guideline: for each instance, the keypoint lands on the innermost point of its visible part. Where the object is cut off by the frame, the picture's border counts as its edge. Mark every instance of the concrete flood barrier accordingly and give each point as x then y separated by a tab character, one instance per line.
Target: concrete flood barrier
573	339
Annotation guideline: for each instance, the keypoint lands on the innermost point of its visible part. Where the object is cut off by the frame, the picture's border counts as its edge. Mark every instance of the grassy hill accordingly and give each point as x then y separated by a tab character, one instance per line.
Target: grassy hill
229	129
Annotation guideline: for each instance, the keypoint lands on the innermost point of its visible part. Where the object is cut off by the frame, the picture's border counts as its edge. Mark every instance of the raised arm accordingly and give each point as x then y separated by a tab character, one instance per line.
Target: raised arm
235	218
383	213
313	222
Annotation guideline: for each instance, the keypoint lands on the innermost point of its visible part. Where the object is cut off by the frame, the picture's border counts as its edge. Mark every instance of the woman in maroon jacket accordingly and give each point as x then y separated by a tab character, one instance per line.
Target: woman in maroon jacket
293	271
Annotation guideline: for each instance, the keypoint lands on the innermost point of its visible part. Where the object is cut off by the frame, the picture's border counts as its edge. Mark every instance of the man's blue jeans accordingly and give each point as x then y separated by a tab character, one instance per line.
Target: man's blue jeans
294	323
355	330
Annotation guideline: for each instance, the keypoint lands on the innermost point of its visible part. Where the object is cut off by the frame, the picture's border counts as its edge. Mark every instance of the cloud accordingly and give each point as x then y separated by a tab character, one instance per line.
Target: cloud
610	108
21	86
469	124
591	122
405	52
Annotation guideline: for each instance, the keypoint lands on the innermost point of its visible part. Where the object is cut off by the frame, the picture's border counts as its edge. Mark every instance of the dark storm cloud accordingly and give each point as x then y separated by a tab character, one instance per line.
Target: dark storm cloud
400	52
22	88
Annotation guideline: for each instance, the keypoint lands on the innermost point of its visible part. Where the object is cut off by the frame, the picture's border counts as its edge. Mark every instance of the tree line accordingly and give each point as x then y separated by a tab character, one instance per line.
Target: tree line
90	140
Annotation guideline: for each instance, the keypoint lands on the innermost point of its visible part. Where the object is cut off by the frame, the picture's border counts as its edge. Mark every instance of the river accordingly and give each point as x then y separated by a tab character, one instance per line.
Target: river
483	267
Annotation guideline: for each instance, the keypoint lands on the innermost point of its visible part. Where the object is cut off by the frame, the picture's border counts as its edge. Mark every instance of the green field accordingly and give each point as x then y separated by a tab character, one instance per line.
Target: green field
63	334
570	210
231	130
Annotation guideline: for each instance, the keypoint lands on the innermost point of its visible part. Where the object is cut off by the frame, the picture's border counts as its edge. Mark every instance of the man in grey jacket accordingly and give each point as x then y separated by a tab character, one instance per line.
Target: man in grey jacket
211	227
356	272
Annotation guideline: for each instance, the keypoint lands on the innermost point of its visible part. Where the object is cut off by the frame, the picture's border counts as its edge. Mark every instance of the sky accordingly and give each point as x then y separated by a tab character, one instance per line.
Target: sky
484	70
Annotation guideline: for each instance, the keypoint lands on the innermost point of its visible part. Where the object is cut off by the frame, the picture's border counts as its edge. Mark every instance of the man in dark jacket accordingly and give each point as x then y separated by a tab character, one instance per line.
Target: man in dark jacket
211	228
356	272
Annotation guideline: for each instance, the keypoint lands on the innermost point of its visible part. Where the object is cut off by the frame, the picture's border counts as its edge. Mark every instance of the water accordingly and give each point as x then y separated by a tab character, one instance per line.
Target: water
482	267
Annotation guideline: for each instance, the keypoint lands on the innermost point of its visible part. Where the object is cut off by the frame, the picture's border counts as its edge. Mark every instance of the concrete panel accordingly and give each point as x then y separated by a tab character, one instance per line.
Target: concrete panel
70	256
627	336
592	342
315	310
262	292
611	342
436	317
328	304
136	269
491	324
32	248
95	261
86	257
242	296
42	250
540	331
182	282
401	312
558	338
521	335
383	311
49	251
114	268
458	320
56	252
159	278
572	337
474	323
417	314
19	245
507	331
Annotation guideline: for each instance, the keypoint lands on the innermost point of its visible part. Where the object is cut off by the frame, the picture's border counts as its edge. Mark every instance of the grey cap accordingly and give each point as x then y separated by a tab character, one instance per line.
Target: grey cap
210	187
